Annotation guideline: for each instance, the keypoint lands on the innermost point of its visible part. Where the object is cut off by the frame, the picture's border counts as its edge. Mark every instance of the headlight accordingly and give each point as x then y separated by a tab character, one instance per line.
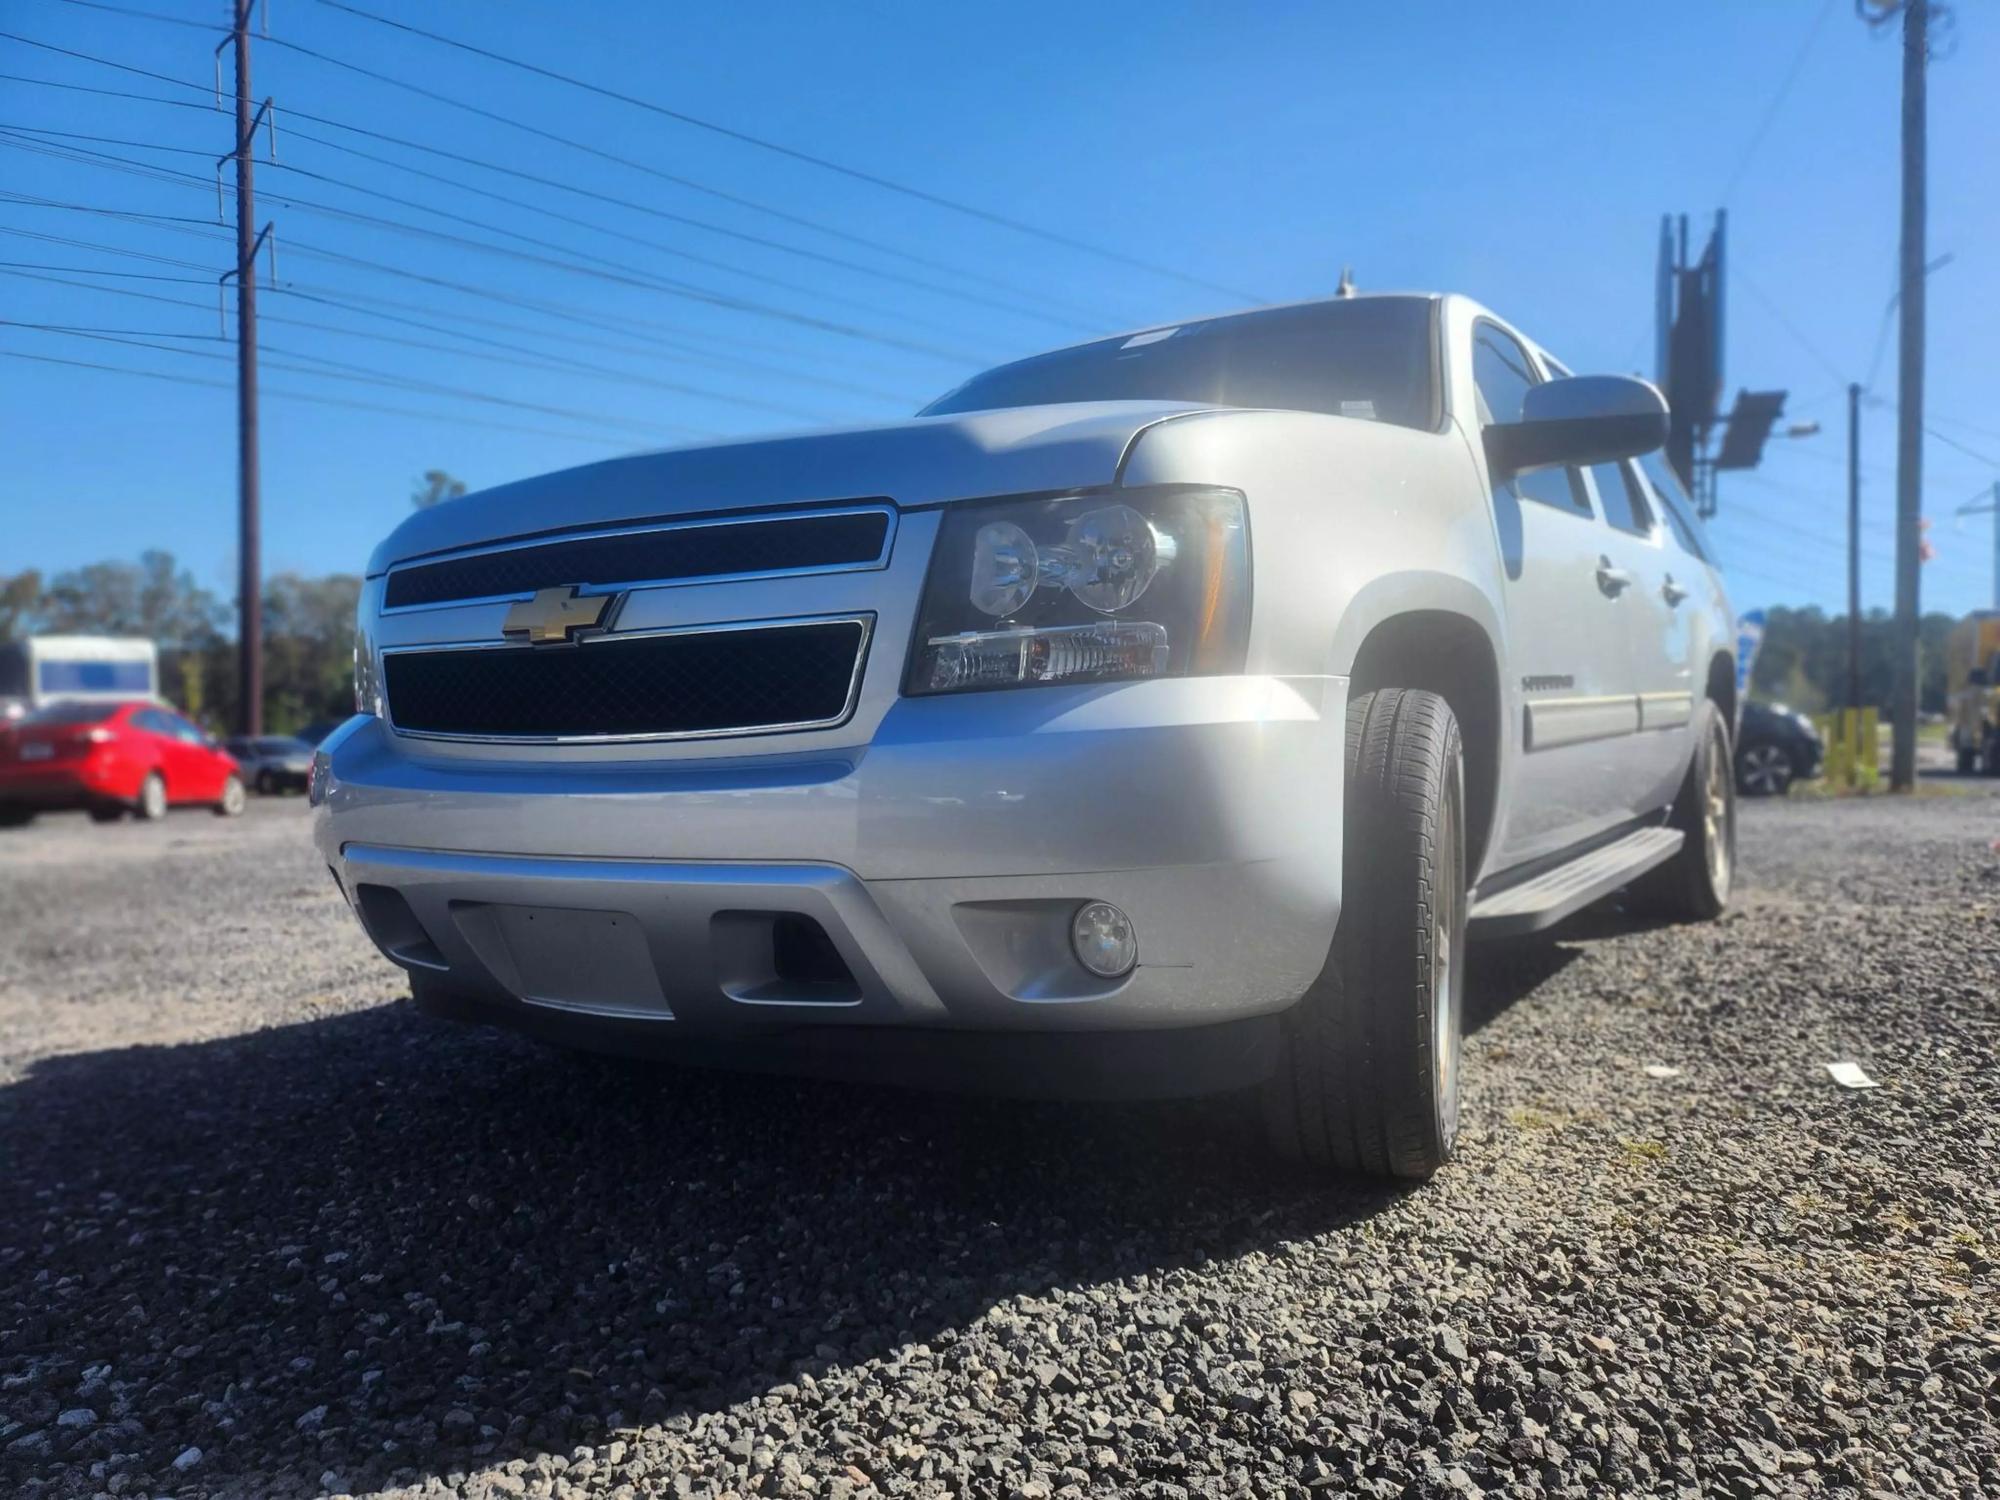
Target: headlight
1093	588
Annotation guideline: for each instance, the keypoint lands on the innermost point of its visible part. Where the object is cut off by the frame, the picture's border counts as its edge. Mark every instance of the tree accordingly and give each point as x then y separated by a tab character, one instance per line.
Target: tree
436	486
20	603
1803	661
308	648
155	598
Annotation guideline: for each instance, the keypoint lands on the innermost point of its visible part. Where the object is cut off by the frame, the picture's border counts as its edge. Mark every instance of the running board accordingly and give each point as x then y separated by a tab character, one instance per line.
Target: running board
1548	898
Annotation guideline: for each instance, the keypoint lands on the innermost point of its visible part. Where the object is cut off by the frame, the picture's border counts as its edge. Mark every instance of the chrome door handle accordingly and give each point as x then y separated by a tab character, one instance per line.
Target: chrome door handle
1613	581
1672	592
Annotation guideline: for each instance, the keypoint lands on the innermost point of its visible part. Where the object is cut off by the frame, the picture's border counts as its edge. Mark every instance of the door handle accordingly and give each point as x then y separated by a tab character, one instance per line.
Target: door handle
1672	592
1613	581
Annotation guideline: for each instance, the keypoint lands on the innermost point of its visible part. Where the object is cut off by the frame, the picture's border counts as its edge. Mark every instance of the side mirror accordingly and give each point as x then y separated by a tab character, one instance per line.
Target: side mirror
1579	419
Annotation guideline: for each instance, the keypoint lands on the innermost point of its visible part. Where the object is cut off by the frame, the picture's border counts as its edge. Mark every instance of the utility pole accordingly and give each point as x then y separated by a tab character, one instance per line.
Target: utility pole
1910	399
1854	547
249	543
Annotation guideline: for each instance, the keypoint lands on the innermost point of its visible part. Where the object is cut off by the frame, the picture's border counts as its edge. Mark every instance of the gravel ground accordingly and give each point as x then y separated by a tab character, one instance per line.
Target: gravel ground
265	1233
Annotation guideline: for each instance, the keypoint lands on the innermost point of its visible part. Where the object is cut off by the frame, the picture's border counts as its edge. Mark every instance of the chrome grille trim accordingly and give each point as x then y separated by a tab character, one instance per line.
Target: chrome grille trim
865	620
556	539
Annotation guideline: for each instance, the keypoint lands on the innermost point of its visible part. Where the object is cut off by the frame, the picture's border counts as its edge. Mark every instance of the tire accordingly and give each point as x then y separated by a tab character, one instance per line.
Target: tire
1694	885
265	786
109	812
1968	762
232	801
1763	770
152	803
12	816
1369	1078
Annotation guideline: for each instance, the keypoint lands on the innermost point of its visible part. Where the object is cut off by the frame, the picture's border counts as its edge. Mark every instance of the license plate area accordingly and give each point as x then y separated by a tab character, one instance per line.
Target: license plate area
38	750
594	962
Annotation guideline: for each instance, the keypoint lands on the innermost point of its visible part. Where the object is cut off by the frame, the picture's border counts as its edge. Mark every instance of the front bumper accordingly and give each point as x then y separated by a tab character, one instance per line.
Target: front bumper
942	862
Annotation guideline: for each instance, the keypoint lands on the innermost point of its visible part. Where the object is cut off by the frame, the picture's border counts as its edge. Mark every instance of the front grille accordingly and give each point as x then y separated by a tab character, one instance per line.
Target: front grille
681	683
814	541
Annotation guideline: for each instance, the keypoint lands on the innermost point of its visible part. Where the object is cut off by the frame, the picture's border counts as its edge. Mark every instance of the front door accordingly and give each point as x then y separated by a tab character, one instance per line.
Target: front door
1569	607
1666	596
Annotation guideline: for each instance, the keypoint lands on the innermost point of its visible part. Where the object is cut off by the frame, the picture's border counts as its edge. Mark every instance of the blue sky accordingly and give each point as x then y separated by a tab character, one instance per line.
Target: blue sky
1522	154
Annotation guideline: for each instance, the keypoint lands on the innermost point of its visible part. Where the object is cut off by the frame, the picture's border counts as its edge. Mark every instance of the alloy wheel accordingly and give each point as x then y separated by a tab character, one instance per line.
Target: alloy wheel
1767	770
1715	812
1447	977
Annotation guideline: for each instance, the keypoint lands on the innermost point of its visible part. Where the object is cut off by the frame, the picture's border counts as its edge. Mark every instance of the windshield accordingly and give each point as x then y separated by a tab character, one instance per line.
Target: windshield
1369	357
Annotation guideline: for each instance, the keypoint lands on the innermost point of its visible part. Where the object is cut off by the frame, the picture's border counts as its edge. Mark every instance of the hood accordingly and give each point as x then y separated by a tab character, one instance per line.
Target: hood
924	461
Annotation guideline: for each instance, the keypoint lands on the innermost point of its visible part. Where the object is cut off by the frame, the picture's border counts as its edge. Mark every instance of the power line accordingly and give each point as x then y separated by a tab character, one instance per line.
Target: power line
609	271
569	316
921	195
631	205
880	247
166	174
534	361
1952	442
332	369
183	380
1772	110
918	283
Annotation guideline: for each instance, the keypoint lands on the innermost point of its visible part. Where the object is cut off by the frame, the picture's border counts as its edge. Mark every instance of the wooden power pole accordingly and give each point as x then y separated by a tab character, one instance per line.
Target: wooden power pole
249	542
1910	400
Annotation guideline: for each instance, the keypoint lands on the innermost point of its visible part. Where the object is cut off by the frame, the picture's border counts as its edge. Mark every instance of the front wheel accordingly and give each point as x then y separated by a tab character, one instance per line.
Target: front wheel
231	803
13	815
1764	770
1694	885
1369	1079
152	804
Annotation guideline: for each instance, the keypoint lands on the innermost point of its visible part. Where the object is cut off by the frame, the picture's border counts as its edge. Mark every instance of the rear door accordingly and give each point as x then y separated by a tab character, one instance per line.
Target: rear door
1661	605
1567	625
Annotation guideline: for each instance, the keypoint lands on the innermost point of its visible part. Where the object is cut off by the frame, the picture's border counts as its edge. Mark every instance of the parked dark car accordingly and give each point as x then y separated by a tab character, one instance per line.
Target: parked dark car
1774	748
272	763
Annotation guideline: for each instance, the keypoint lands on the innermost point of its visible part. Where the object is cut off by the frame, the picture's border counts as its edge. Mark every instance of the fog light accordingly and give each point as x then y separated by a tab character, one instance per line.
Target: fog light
1104	941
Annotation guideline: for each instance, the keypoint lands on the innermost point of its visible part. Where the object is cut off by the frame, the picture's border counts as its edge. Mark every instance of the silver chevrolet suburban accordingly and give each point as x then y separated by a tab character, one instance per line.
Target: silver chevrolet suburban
1155	716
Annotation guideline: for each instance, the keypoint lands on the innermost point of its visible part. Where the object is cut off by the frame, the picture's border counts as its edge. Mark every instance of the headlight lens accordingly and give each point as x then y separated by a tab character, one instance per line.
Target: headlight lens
1149	583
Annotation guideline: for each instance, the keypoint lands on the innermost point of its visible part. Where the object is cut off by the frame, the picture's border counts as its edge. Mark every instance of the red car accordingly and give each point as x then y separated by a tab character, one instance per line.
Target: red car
112	758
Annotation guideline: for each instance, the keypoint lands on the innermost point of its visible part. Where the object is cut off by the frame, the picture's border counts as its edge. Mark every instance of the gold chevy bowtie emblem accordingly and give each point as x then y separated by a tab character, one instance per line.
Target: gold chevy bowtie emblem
557	614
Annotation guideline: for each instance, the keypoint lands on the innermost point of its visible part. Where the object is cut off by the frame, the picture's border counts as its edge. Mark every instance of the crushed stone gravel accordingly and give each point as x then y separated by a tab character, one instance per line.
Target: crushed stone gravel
266	1232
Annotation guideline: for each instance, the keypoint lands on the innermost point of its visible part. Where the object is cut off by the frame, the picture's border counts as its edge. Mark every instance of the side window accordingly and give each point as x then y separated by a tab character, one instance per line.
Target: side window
152	721
1618	496
1672	503
1501	375
184	731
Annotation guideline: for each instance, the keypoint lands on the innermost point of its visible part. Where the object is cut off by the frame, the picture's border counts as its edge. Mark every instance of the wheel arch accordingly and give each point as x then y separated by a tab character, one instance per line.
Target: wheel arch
1442	651
1722	689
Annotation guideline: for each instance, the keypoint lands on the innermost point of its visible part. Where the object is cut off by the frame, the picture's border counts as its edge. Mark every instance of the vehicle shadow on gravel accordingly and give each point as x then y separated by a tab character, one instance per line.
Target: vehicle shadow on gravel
377	1247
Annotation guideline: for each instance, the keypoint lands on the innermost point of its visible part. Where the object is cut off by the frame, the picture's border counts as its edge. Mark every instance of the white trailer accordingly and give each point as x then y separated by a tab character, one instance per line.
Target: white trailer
57	668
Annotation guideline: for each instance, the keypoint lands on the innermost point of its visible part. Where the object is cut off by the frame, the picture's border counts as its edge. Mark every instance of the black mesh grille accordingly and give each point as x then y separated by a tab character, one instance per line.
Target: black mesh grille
772	545
700	682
